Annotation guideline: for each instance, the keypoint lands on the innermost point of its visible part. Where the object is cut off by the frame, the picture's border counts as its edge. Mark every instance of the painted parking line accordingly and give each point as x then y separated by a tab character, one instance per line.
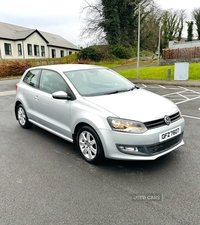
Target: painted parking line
182	96
187	100
191	117
6	93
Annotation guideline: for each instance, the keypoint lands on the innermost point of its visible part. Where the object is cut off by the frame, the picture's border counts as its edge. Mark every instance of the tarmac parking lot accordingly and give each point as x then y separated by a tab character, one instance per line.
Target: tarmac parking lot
182	96
44	181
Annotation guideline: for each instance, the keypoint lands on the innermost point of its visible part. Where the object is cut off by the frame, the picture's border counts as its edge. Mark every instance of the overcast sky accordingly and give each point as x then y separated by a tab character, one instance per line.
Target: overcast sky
63	17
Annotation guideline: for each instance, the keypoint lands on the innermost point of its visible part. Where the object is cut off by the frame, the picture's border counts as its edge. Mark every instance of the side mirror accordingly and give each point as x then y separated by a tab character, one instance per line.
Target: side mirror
61	95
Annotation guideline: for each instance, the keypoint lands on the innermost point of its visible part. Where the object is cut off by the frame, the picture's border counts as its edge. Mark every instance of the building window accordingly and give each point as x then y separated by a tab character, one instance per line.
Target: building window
61	53
70	52
29	46
8	50
42	51
36	50
53	53
19	47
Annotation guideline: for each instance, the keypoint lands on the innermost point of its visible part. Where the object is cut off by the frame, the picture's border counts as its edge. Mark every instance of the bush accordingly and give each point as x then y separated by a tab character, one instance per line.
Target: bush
122	52
92	53
14	68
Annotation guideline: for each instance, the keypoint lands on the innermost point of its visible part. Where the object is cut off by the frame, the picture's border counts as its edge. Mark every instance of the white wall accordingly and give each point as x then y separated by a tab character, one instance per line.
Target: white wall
187	44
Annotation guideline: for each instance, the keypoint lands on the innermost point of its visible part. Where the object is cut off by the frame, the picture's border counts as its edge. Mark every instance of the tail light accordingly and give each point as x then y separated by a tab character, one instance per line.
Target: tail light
16	86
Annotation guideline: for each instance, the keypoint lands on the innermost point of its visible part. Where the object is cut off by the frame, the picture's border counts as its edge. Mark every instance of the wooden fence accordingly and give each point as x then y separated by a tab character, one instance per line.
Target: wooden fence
182	54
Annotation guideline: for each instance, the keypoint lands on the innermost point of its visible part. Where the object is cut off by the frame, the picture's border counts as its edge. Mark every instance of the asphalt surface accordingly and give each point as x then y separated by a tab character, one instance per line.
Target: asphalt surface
43	181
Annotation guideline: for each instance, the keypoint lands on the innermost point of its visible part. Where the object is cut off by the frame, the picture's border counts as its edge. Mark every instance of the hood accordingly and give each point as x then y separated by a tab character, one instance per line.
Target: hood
139	104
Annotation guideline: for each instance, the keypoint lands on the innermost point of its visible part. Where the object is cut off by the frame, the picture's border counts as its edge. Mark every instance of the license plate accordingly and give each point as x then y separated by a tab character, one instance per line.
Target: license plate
169	134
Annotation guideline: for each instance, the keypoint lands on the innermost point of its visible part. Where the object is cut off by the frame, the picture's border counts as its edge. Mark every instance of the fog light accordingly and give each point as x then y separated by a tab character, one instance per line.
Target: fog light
128	149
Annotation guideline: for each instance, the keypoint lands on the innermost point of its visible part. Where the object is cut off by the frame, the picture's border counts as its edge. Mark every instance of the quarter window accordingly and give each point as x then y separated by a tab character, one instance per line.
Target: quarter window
29	47
8	50
31	78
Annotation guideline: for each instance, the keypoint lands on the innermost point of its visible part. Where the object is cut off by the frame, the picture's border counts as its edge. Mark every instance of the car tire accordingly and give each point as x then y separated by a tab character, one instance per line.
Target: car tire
22	117
89	145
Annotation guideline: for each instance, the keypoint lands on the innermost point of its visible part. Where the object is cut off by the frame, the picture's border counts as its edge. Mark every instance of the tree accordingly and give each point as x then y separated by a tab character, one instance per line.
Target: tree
115	21
190	30
172	25
196	18
93	13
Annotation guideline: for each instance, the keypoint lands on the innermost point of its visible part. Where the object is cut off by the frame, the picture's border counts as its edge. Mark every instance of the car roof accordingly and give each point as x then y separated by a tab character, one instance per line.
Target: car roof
67	67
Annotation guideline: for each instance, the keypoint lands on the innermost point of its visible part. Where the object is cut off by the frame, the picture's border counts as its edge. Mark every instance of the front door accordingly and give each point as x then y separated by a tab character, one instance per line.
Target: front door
53	114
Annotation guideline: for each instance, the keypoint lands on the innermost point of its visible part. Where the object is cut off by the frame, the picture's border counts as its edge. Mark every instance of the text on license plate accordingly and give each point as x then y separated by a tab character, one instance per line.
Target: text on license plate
169	134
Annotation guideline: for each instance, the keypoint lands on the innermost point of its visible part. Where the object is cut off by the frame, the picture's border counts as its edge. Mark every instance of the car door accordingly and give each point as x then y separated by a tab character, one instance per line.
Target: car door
53	114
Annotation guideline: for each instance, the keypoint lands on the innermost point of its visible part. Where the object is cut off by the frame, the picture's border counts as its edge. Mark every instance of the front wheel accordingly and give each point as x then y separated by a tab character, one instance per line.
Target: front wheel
89	145
22	117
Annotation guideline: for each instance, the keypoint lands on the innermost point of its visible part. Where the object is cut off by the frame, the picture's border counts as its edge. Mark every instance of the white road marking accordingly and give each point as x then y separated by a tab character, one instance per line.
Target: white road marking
192	117
191	99
6	93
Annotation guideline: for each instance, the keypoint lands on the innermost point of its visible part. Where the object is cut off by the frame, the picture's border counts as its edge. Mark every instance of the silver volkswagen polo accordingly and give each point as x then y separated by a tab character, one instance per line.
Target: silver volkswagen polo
101	112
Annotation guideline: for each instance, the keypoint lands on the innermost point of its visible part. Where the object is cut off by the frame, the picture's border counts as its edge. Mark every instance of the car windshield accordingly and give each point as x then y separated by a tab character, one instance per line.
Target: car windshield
93	82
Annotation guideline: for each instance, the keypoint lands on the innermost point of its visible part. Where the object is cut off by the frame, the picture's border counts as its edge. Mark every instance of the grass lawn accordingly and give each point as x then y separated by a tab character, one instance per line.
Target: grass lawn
161	72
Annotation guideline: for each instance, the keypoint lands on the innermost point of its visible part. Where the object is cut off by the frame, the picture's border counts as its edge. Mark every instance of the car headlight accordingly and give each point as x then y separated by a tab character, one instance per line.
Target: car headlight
128	126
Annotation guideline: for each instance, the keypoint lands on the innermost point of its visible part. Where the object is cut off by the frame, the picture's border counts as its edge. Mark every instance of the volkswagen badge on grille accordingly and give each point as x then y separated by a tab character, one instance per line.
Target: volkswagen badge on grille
167	120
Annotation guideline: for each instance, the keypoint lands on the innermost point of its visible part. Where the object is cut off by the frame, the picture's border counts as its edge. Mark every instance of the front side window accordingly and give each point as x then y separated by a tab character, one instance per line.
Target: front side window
29	47
19	46
51	82
31	78
42	51
8	50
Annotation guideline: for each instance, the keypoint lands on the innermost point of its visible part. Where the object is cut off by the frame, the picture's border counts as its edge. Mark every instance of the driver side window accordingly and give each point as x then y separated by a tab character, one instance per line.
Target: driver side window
51	81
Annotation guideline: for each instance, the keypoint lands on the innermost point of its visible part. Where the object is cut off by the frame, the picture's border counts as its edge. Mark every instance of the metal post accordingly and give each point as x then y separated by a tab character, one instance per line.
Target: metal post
138	52
159	44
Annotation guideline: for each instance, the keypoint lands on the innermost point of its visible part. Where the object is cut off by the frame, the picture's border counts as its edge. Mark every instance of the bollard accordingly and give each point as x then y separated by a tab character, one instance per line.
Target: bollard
169	73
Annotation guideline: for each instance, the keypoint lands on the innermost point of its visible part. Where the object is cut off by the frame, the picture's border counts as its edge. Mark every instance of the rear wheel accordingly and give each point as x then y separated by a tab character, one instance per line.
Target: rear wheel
89	145
22	117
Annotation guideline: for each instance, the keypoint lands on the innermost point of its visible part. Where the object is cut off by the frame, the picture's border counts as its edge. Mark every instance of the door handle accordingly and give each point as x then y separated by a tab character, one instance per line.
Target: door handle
36	97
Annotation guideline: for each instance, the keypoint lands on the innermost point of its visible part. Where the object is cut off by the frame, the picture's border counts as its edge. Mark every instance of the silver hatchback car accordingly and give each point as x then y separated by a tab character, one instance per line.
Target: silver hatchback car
101	112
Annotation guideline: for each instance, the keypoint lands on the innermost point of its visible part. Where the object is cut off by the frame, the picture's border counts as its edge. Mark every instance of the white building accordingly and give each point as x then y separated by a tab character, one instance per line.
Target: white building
24	43
186	44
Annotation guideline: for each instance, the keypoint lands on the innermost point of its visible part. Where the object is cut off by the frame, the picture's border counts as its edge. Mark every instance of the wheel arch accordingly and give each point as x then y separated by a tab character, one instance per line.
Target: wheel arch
16	105
81	124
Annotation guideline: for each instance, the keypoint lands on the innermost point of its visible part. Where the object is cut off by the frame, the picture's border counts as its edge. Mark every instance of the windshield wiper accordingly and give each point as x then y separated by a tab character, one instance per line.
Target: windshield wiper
124	90
131	89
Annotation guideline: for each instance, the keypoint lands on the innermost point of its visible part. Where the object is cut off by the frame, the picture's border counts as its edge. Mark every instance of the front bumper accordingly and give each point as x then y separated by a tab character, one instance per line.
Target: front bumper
147	146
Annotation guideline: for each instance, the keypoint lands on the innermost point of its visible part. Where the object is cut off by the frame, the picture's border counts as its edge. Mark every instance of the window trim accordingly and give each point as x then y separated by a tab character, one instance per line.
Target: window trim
36	50
19	47
30	50
42	50
8	51
53	53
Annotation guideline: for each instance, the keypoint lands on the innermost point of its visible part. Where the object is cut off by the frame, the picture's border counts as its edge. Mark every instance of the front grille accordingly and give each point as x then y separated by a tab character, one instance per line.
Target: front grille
160	122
